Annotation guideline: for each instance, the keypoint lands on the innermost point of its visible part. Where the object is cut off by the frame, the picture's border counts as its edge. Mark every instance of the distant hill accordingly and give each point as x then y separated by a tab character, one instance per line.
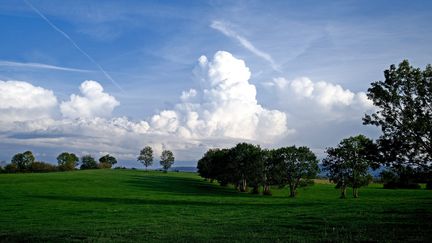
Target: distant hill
184	169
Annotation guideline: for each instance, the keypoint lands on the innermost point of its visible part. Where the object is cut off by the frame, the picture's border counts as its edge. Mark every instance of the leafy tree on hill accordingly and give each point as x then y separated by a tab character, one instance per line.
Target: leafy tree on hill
348	163
67	161
146	156
23	161
166	159
88	162
404	114
247	165
107	161
298	165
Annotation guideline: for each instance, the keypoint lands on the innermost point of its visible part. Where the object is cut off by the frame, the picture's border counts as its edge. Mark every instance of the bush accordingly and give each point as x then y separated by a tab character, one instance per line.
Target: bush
399	185
39	167
429	185
104	165
11	168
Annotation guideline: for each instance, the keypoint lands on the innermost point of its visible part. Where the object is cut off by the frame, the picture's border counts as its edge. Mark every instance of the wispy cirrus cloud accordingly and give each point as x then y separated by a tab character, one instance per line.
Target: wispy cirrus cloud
91	59
35	65
226	30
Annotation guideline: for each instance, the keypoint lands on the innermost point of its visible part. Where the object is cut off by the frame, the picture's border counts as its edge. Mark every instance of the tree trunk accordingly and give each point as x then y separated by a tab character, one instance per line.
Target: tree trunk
355	192
266	190
243	185
343	192
292	191
255	190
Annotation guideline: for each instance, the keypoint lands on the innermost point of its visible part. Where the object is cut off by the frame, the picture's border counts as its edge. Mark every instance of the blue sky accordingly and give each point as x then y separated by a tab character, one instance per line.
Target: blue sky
309	64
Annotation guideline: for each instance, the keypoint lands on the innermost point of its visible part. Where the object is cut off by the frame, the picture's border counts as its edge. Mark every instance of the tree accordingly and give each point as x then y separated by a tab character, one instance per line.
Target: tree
348	163
167	159
88	162
67	161
298	165
107	161
246	165
146	156
23	161
404	114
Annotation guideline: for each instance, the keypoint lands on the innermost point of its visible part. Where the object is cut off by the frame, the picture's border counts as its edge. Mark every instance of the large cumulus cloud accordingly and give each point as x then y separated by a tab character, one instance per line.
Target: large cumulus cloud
225	107
21	101
94	102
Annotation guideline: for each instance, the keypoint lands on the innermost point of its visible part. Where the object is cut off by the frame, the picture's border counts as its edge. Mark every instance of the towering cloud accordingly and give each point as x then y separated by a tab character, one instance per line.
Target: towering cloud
94	102
225	107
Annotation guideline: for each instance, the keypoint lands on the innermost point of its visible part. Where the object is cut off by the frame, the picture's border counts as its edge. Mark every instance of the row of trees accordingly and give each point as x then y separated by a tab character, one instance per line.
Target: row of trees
146	158
247	165
26	162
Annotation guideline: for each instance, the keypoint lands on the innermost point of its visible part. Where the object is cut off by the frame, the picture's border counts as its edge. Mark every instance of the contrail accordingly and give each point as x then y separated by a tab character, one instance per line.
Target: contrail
224	29
40	66
74	44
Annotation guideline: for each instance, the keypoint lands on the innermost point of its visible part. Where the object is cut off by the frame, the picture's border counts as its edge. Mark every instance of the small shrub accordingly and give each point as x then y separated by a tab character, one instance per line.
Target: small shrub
104	165
399	185
11	168
429	185
39	167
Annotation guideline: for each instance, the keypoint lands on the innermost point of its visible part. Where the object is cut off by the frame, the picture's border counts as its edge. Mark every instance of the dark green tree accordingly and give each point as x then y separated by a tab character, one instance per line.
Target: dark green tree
166	160
107	161
404	114
23	161
67	161
246	165
347	164
88	162
146	156
298	166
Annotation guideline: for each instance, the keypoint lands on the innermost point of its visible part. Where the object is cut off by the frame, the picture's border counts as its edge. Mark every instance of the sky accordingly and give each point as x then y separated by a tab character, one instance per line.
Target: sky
97	77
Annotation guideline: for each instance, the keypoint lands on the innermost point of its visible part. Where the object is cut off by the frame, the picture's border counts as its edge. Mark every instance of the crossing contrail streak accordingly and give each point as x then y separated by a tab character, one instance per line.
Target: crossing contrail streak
74	44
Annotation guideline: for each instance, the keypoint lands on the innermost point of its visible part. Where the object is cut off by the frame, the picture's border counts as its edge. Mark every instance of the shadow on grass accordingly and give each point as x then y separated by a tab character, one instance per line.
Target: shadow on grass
169	202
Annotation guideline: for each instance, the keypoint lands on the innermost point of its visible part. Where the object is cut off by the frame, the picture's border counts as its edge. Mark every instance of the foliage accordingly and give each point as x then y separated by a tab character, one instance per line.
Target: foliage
404	178
146	156
40	167
107	161
347	164
404	114
166	159
247	166
88	162
296	164
67	161
23	160
11	168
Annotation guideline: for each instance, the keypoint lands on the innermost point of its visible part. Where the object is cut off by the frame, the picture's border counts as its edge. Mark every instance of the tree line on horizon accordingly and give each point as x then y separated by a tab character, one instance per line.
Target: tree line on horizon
26	162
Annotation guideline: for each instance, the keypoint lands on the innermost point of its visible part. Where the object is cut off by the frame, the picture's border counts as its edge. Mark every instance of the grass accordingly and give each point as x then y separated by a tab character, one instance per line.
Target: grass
129	205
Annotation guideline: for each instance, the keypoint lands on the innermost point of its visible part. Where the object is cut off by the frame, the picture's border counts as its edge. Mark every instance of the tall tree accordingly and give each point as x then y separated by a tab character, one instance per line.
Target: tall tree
167	159
298	165
246	162
404	114
88	162
23	161
67	161
348	163
107	161
146	156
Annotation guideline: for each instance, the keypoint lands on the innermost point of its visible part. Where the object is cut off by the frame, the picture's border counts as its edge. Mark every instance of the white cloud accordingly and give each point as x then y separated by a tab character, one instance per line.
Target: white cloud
226	30
225	107
21	101
94	102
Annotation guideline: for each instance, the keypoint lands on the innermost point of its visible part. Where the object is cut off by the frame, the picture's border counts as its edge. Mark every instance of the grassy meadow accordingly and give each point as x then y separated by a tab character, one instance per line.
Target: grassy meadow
132	205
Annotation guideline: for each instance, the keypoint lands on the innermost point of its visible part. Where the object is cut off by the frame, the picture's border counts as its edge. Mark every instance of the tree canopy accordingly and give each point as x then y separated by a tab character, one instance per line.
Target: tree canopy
146	156
67	161
167	159
404	114
347	164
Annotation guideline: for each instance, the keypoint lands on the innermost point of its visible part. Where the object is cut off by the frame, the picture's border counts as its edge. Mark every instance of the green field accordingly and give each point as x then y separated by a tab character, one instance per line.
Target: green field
130	205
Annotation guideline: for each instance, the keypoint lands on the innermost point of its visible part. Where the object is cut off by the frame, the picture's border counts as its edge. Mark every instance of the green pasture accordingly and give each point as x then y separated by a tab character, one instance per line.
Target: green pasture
132	205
